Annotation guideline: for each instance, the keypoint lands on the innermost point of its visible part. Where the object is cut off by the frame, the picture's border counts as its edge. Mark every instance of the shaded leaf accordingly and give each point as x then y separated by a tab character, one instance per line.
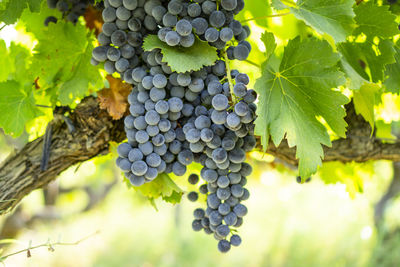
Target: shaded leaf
392	73
374	20
357	57
14	8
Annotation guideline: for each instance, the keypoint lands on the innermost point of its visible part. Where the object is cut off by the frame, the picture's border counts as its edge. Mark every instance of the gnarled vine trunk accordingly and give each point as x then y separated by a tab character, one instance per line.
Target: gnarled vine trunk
21	172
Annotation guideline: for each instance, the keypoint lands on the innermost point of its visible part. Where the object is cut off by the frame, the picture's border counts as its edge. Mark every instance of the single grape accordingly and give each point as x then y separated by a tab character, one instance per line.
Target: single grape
139	168
240	210
196	225
193	196
236	240
193	179
224	246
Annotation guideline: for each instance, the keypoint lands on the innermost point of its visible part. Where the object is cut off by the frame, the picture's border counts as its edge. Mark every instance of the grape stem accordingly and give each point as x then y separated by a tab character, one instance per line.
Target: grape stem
228	74
266	17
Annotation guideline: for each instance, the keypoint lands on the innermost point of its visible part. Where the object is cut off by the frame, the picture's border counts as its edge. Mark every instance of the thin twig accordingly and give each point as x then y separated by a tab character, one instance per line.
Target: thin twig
266	17
49	245
43	106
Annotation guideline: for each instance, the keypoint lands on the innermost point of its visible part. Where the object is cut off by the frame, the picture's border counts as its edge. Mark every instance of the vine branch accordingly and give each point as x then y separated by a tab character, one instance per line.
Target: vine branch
20	173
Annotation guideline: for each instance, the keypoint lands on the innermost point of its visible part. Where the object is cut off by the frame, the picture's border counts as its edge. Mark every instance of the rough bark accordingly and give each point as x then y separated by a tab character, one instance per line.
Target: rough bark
20	173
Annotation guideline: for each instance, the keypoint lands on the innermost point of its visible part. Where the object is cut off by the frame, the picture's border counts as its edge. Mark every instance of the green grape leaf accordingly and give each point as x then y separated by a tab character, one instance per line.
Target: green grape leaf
384	131
374	20
17	105
82	75
14	8
364	101
278	5
3	4
182	59
6	61
392	73
63	56
350	174
163	187
259	9
357	57
269	41
293	95
334	17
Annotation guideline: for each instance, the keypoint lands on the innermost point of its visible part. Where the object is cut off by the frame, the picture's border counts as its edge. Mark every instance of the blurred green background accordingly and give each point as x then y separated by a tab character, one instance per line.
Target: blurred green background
288	224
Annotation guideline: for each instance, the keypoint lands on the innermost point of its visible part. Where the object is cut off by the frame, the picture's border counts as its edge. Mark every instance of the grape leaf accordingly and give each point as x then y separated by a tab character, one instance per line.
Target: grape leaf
259	9
294	94
374	20
17	105
278	5
334	17
392	73
350	174
114	99
384	130
182	59
82	75
63	59
364	102
6	61
356	57
162	186
269	41
14	9
3	4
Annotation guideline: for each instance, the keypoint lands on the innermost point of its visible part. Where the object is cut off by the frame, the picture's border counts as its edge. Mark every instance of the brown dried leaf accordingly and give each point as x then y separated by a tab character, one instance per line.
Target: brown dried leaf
93	18
114	99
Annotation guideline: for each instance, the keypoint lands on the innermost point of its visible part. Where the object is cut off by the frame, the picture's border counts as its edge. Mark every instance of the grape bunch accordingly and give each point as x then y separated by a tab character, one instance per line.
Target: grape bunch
204	116
224	171
71	9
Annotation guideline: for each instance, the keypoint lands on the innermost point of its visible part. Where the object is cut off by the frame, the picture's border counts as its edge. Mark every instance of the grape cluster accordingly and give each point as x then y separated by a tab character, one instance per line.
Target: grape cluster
205	116
227	133
71	9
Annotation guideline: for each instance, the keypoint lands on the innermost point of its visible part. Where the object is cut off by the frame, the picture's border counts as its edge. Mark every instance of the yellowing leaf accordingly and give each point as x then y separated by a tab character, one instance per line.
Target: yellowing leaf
364	102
